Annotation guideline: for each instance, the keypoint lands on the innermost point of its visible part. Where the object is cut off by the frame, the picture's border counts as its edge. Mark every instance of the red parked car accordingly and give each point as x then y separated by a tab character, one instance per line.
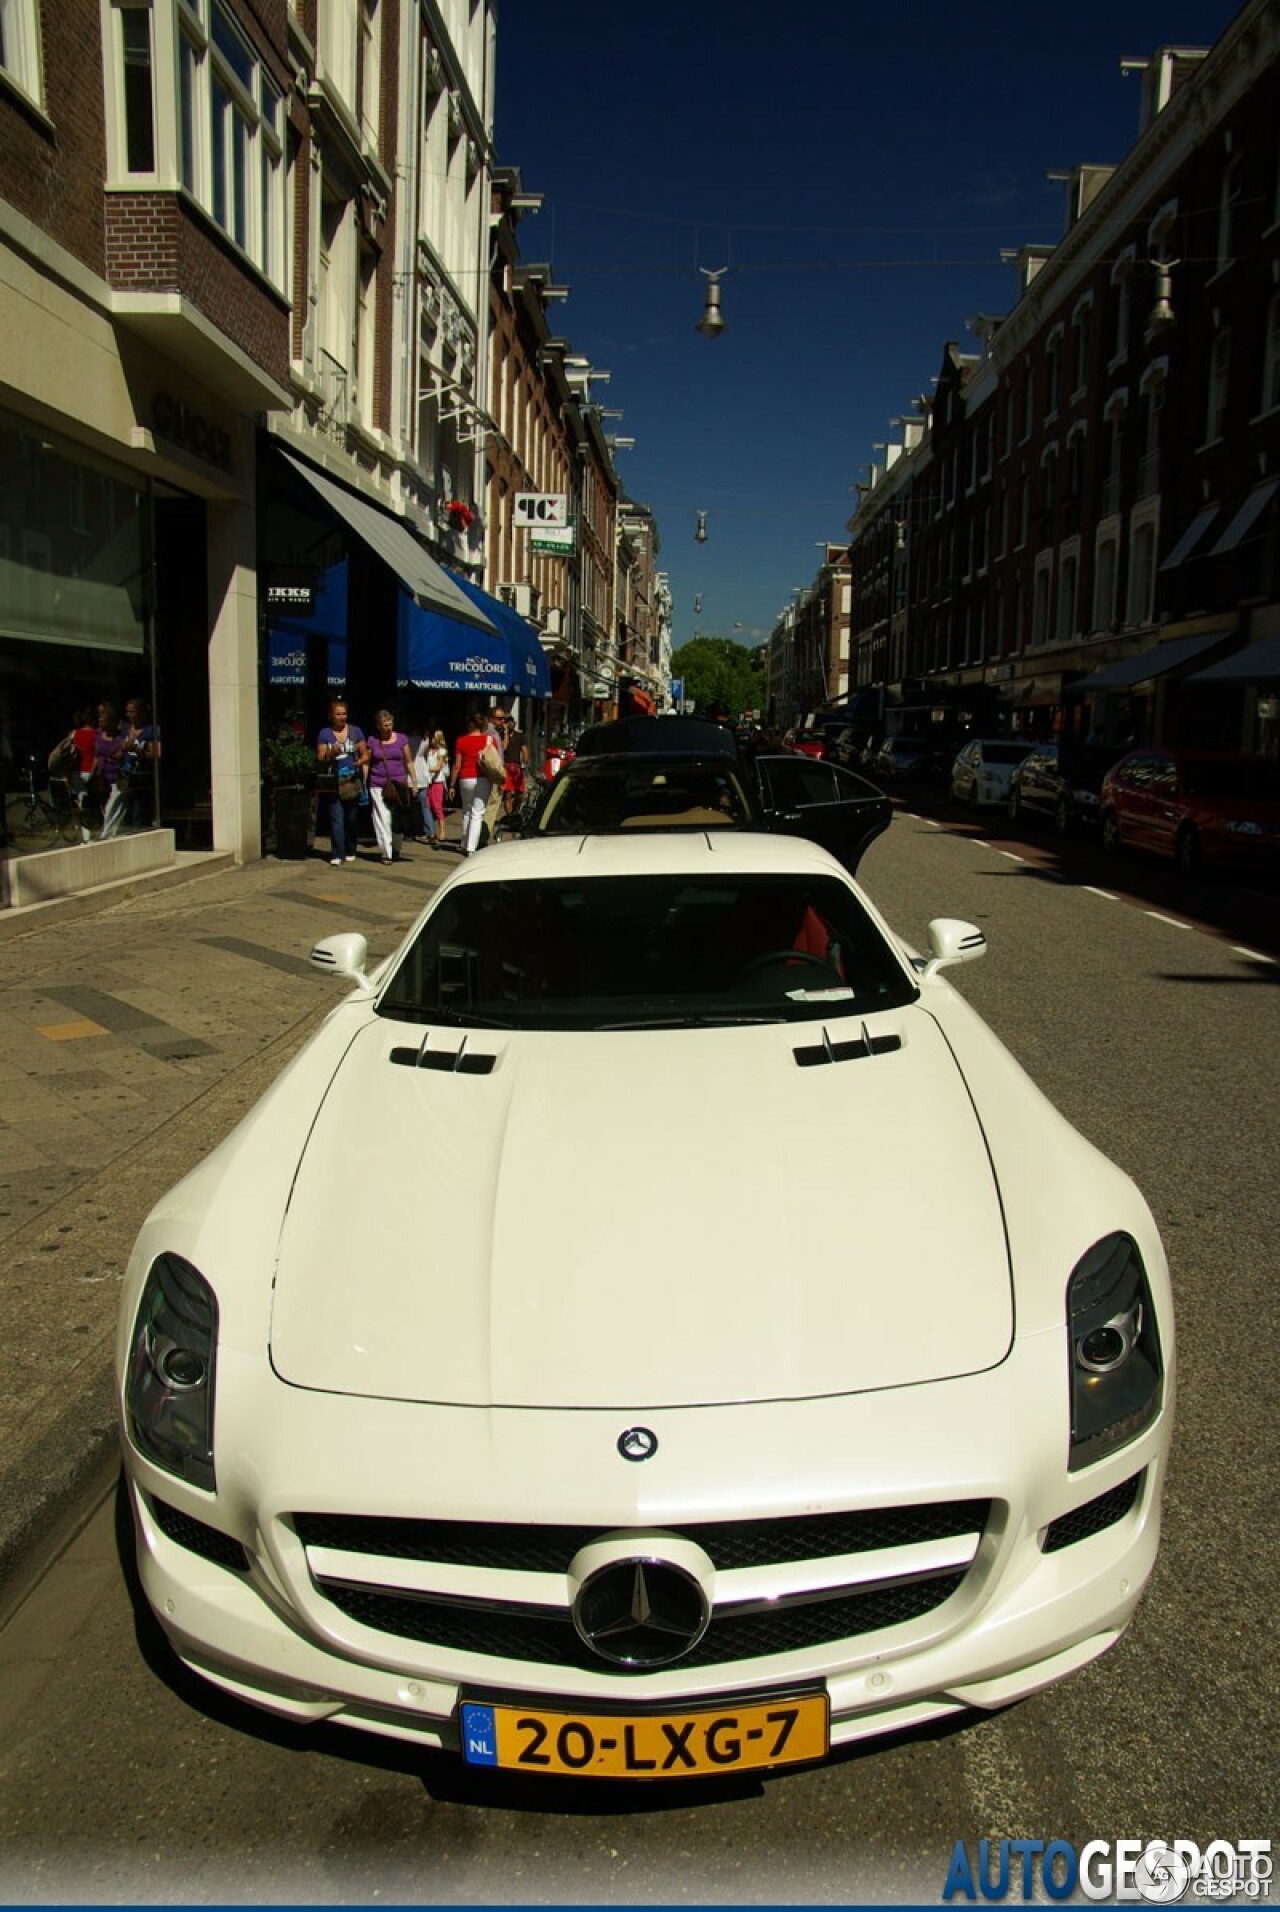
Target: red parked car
1200	809
810	743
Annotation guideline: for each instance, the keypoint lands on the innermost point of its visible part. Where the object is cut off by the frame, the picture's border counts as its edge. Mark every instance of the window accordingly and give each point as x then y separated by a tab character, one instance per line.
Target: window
371	72
1219	379
1228	209
1053	373
231	133
1106	571
1271	358
132	25
1142	572
1068	580
1122	279
20	45
1028	404
1040	605
1080	338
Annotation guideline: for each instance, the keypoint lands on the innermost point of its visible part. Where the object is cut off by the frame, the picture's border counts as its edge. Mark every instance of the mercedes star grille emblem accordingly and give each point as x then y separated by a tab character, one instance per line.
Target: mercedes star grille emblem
637	1443
641	1613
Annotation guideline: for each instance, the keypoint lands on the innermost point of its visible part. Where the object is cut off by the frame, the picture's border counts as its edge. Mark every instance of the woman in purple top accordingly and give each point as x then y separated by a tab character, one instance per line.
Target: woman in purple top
338	749
388	761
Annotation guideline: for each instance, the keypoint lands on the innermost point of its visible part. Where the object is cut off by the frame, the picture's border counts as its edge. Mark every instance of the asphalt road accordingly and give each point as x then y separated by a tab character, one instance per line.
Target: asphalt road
121	1777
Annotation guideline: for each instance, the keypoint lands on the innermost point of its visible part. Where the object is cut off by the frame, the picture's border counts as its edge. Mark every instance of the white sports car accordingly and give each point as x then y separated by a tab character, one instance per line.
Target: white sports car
551	1452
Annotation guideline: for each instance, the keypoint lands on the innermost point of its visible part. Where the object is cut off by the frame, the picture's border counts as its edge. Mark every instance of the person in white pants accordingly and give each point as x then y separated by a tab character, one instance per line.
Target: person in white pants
468	783
386	760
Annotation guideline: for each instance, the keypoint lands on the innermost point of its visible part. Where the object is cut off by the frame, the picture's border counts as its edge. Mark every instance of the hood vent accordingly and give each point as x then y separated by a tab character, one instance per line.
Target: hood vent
819	1053
459	1061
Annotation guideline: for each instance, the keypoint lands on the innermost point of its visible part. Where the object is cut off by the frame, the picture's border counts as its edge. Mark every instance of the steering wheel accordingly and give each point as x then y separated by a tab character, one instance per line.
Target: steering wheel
772	956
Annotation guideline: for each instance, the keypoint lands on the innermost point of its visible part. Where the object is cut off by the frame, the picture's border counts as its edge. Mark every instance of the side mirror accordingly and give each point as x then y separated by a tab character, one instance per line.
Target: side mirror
343	955
953	942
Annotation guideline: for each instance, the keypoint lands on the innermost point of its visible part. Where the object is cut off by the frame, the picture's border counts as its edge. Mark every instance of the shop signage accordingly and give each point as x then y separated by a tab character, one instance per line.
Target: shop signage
173	420
291	591
540	508
560	540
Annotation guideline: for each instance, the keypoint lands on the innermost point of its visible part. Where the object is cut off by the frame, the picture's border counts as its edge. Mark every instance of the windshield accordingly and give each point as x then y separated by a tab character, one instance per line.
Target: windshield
646	951
1004	753
624	795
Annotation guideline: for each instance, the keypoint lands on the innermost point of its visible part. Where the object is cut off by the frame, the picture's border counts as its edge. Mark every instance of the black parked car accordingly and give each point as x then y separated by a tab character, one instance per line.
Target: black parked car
1062	782
911	760
685	773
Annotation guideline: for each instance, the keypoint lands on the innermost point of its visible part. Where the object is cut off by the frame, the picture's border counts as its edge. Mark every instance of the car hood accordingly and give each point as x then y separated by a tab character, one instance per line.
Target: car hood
642	1219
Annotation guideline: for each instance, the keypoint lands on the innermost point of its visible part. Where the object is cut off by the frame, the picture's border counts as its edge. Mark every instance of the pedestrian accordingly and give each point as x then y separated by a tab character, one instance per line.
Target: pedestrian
129	800
473	780
338	750
388	765
517	766
108	749
431	768
499	729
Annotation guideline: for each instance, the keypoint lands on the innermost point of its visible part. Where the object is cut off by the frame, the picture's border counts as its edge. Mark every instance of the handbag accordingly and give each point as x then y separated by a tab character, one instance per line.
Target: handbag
396	794
490	765
350	786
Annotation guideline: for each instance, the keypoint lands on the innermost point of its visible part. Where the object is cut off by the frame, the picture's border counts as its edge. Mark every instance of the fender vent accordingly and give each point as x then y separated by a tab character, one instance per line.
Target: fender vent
813	1056
453	1061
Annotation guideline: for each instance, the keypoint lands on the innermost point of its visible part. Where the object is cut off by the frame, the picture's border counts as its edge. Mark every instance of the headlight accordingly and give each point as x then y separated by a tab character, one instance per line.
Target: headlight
169	1390
1116	1368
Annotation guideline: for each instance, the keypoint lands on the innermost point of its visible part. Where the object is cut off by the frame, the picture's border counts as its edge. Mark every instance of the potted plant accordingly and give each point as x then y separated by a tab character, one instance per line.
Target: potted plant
289	765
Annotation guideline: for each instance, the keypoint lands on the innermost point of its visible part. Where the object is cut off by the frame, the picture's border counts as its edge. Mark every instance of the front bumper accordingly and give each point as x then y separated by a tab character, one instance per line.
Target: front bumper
1018	1618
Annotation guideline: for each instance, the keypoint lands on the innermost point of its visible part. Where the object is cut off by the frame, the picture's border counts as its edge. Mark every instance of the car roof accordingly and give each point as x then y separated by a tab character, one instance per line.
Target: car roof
667	736
648	853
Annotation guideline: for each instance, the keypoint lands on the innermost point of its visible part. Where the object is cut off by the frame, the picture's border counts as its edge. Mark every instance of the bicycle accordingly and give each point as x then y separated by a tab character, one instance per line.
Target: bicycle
52	811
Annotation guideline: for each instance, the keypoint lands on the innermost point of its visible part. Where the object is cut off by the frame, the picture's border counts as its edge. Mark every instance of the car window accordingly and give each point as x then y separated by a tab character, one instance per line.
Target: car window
595	952
1002	753
636	796
791	783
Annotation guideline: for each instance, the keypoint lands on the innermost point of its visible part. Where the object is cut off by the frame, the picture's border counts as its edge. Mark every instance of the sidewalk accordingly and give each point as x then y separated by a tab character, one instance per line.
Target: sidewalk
131	1040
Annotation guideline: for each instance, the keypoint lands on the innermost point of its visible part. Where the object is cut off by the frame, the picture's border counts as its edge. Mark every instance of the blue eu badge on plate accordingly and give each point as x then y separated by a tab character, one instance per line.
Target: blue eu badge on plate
479	1736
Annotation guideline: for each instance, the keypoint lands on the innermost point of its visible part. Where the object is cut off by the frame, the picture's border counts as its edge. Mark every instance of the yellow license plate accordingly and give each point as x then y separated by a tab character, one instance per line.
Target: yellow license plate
676	1745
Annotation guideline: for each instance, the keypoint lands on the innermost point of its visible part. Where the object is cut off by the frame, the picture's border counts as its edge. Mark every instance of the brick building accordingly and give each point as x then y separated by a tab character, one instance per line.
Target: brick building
1083	516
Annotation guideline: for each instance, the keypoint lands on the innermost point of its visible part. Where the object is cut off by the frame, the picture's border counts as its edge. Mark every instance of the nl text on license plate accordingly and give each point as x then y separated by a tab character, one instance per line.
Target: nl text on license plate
672	1745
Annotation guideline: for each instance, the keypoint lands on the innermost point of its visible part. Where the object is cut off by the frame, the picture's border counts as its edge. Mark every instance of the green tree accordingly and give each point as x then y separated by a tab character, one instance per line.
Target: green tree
718	671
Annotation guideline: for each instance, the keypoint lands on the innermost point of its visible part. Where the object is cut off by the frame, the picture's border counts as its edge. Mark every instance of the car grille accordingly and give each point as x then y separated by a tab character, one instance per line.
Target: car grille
353	1562
1093	1518
186	1531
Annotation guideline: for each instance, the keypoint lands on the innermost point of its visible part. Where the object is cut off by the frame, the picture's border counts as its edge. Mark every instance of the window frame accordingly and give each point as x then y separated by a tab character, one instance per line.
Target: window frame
24	69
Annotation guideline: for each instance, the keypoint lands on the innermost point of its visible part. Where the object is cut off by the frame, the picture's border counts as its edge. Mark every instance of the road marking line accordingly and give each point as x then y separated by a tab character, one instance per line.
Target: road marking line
1012	858
1109	895
1254	955
1173	921
980	843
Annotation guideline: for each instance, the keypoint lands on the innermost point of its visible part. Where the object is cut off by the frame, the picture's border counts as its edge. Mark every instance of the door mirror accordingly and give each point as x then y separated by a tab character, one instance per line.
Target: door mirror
953	942
343	955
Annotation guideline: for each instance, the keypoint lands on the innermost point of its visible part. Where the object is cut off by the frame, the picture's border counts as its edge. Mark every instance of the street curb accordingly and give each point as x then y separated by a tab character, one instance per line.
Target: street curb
30	916
50	1485
57	1486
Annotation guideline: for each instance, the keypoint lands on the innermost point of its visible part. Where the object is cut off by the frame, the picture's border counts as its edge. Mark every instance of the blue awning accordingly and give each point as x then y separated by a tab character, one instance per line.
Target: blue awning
531	673
436	653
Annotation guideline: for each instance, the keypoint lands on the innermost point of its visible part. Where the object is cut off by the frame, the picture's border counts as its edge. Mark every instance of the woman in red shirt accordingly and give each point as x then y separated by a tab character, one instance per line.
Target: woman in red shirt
469	781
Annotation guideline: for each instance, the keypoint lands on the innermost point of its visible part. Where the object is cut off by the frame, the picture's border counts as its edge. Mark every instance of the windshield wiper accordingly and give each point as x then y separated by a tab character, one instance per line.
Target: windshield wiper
709	1019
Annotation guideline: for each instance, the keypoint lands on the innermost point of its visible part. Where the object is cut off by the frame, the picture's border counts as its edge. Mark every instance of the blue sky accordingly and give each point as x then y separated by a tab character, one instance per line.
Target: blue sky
858	168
